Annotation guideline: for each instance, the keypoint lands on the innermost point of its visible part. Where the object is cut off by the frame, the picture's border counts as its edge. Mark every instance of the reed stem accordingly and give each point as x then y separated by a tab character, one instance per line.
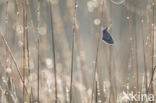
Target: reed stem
136	48
144	54
38	73
53	45
73	47
96	58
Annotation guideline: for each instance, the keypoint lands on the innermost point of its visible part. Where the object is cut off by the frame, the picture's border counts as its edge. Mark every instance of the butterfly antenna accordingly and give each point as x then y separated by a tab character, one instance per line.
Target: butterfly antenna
109	27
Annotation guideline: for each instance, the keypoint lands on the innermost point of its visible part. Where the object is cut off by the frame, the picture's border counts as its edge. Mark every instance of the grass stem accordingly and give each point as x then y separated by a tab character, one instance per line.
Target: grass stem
53	45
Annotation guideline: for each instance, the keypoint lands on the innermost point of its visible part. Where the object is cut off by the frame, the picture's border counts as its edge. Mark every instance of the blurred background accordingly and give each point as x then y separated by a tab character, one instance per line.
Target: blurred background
101	72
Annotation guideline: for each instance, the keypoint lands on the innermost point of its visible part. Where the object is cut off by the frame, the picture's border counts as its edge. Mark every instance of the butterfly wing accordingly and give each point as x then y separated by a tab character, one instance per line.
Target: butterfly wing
107	37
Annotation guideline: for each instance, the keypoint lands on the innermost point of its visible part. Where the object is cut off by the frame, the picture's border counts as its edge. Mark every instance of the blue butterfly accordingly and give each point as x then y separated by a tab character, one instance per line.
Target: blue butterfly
107	37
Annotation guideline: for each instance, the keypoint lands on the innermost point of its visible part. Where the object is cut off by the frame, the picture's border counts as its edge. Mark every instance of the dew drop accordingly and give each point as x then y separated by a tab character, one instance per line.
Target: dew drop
6	93
130	38
49	90
67	90
76	6
8	70
127	17
48	62
17	13
4	79
42	30
99	101
98	94
20	43
90	6
97	21
19	29
89	91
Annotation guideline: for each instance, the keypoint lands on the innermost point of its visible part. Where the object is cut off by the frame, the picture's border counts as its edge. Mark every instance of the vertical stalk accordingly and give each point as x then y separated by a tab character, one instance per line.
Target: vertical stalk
73	47
144	54
38	51
136	47
96	97
24	58
17	9
72	67
27	46
130	40
152	45
152	57
7	38
53	45
6	20
147	34
27	41
31	21
110	60
6	28
97	54
38	72
31	96
110	75
151	80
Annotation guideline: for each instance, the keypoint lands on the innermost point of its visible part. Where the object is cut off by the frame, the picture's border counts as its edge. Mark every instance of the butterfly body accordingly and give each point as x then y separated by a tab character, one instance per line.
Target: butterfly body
107	37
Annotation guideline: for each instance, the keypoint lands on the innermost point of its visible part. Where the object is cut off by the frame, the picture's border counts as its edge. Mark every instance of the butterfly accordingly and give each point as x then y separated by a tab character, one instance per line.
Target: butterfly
107	37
